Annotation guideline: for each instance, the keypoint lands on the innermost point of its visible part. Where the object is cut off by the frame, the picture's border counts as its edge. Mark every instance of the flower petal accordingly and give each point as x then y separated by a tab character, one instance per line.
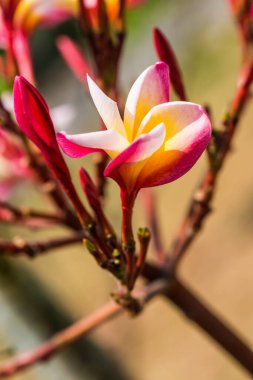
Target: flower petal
23	56
176	116
85	143
150	89
72	149
106	107
74	58
125	168
189	136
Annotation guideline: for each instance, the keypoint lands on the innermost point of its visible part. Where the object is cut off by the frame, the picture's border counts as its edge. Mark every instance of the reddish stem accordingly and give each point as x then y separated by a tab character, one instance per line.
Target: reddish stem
19	246
127	201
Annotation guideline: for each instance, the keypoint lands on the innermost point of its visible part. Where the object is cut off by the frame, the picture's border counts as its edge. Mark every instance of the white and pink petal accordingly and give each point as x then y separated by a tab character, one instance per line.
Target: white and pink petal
107	108
80	145
177	116
181	151
149	90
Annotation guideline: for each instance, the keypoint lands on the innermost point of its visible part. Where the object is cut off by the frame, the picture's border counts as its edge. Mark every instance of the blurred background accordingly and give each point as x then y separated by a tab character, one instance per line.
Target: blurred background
39	297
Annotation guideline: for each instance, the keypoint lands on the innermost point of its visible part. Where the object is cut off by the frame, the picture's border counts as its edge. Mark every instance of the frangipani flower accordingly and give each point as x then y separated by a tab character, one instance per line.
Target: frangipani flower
31	13
18	19
157	142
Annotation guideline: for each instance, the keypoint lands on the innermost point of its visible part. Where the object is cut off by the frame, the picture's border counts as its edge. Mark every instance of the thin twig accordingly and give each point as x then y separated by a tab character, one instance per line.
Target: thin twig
75	331
27	216
18	246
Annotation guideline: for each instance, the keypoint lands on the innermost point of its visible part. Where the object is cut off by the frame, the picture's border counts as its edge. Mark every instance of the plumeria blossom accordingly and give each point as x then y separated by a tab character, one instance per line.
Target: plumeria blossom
18	19
31	13
157	141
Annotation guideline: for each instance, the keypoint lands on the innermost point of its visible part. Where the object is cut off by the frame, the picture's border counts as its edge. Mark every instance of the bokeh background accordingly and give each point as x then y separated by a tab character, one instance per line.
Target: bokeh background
39	297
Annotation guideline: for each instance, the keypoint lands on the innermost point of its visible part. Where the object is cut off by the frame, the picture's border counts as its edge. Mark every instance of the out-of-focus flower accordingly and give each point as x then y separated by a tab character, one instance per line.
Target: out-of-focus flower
18	19
31	13
112	8
158	141
13	164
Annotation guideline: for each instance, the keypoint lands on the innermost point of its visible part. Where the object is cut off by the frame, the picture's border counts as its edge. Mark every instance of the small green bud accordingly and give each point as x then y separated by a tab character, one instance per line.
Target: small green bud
90	246
116	261
144	233
116	252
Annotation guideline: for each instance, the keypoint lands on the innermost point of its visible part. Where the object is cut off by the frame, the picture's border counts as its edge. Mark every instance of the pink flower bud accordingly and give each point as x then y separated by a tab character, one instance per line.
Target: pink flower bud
165	53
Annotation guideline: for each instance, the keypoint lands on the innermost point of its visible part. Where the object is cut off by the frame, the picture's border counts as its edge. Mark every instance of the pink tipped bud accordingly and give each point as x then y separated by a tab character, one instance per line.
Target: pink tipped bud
34	119
166	54
89	189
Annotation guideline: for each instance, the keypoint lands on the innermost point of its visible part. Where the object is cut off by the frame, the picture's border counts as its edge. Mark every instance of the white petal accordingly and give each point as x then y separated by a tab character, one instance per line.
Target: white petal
106	107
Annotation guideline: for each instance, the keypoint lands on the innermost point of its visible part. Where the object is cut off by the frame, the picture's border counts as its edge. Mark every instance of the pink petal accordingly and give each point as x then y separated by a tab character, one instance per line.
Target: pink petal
106	107
125	168
188	140
150	89
23	55
85	143
176	117
74	58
